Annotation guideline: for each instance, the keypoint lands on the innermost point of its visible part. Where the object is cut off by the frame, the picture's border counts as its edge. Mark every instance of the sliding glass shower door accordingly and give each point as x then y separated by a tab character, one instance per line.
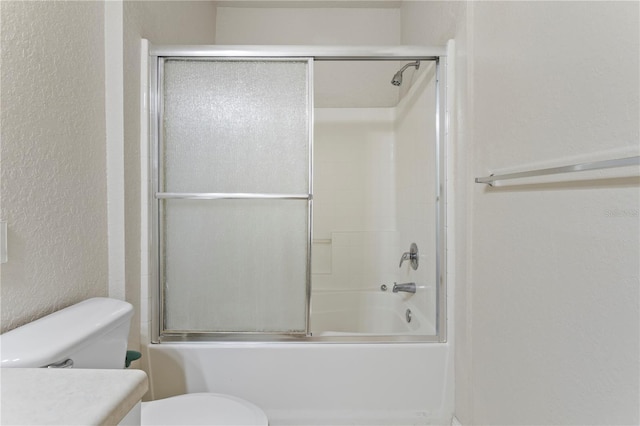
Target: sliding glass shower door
234	194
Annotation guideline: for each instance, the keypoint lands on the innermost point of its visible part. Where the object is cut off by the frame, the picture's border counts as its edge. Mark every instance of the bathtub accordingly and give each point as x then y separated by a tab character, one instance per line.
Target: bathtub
367	312
328	379
314	383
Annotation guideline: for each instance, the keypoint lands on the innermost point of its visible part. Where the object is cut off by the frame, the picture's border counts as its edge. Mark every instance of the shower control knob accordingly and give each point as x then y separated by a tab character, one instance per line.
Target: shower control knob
411	256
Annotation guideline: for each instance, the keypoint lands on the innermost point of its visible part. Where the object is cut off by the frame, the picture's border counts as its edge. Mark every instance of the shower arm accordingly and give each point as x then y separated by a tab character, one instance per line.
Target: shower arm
410	64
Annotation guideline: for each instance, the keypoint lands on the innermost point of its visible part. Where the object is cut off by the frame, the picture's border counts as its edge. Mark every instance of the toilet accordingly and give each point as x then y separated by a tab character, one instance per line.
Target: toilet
93	334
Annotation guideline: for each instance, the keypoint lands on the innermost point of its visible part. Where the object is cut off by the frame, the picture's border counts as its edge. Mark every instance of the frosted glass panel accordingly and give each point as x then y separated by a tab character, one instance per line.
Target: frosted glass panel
236	126
235	265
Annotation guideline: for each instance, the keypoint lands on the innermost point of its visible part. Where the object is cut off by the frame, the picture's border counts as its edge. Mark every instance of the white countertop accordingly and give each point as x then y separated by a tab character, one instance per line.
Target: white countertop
68	396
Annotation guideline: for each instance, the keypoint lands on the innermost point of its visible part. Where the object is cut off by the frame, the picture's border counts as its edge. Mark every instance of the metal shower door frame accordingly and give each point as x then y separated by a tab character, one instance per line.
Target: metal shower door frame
157	54
157	196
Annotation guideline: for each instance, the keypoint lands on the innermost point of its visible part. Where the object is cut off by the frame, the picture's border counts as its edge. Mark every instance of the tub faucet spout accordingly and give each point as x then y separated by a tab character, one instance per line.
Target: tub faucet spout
407	287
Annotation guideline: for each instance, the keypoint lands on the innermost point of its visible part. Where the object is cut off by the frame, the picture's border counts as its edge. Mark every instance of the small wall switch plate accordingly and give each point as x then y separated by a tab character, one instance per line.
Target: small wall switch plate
3	242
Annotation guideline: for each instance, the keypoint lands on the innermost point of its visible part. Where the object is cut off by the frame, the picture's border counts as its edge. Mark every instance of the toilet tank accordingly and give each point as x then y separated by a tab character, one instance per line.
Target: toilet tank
92	334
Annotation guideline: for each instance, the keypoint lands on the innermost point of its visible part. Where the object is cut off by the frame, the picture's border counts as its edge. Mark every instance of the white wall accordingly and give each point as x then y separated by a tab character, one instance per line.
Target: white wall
315	26
555	82
547	312
53	157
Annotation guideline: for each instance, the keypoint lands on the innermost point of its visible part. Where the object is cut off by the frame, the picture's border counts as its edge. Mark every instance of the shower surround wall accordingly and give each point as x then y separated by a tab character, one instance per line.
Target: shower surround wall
354	199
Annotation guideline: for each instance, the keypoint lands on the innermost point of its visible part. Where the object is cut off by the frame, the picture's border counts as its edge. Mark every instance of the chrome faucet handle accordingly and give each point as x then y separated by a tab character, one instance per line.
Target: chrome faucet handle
411	255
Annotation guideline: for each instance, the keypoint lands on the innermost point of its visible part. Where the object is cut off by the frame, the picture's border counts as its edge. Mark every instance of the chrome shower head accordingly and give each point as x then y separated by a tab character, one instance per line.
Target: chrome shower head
397	78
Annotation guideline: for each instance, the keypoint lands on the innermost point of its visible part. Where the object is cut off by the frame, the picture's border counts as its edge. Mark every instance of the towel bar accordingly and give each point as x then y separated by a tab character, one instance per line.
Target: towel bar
595	165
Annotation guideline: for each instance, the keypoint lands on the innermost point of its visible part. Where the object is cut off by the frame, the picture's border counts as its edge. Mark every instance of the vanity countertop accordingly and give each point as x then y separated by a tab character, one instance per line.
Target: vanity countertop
68	396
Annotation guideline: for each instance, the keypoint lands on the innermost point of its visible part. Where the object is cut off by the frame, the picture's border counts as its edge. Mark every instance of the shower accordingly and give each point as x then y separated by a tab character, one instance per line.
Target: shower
251	268
397	78
321	265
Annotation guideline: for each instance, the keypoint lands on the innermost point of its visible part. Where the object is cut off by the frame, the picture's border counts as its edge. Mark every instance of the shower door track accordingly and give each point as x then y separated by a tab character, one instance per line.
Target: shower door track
318	53
315	53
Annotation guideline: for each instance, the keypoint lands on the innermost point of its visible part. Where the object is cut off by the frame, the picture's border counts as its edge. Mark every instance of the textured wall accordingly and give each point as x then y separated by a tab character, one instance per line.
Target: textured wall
53	157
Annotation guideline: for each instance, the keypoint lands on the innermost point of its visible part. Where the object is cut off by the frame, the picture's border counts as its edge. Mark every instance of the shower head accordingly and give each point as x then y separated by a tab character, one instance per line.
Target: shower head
397	78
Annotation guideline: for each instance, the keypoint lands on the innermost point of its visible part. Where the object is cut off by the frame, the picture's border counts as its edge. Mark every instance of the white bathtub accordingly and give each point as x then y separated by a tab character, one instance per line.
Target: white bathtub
366	312
315	383
327	380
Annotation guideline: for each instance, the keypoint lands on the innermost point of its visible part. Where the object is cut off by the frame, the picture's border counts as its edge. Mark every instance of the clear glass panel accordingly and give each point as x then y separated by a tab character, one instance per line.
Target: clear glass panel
235	265
375	193
236	126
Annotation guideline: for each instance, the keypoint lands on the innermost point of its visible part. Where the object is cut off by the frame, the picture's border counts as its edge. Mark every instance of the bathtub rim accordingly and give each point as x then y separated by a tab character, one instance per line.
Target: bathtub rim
279	338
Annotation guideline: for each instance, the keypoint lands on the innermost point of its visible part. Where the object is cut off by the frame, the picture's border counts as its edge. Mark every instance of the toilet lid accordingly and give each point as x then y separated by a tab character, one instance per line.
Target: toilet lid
202	409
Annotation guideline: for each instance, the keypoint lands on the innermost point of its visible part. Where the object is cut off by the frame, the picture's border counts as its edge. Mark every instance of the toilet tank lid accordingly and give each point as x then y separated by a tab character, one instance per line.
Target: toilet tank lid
48	339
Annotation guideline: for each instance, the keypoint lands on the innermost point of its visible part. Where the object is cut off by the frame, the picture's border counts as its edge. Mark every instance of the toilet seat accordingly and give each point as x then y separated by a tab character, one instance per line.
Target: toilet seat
202	409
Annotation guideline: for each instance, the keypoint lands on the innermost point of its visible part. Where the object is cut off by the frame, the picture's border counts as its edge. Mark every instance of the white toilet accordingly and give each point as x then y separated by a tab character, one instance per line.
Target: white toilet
93	334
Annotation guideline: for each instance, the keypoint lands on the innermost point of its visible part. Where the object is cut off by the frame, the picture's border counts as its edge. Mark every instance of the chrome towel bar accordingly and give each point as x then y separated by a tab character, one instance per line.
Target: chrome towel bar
595	165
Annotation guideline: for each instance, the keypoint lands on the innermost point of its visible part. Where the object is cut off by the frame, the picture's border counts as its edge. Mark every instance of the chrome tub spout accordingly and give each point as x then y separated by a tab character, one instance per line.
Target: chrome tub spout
407	287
